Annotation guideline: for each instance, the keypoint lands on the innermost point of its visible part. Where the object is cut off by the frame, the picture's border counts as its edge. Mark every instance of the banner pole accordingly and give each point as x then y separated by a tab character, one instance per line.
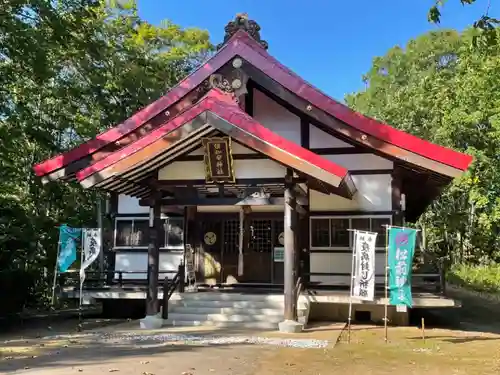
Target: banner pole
81	282
350	293
54	282
386	280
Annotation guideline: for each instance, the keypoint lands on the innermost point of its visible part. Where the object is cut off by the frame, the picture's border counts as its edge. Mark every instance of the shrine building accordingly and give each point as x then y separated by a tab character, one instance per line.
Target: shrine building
243	181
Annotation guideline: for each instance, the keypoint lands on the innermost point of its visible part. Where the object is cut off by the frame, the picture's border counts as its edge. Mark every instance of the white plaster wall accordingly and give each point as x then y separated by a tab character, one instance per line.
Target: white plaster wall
340	263
275	117
193	170
236	147
130	205
373	194
138	261
354	162
320	139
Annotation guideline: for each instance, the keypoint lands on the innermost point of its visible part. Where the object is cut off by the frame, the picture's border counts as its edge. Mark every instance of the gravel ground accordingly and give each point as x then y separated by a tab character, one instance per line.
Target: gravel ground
190	339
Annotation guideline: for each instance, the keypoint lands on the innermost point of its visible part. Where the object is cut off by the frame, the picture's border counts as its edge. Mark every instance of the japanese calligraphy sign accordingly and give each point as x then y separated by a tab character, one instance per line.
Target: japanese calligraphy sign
400	259
218	160
364	266
91	248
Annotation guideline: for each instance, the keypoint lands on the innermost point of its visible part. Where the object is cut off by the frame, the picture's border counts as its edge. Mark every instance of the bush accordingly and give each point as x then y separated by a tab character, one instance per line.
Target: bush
15	289
478	278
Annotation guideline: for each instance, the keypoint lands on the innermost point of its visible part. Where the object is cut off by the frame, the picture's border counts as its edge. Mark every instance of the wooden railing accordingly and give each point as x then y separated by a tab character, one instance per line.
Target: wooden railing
430	282
298	290
97	279
171	285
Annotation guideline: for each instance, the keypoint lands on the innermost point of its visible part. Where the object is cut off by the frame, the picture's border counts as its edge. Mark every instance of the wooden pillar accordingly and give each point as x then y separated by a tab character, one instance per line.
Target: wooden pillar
396	187
192	240
290	250
152	306
109	237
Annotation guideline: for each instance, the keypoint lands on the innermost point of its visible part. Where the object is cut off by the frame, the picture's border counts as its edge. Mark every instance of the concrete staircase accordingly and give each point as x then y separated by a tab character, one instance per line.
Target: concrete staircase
230	310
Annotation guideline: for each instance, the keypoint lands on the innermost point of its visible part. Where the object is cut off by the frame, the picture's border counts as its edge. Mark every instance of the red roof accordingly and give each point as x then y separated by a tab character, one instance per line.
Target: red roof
224	107
243	45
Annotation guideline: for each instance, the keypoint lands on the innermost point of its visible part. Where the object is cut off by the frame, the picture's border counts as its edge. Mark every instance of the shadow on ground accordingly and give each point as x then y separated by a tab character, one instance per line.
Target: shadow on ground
87	350
477	314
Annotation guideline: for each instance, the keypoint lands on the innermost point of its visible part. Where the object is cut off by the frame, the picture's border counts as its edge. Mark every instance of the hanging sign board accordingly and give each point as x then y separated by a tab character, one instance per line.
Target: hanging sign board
218	160
279	254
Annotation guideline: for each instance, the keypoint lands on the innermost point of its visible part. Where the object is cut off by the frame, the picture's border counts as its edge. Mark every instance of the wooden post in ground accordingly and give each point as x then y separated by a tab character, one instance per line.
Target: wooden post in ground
152	319
290	323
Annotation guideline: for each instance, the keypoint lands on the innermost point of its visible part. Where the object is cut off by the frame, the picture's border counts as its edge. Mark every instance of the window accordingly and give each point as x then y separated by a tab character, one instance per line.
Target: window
320	233
173	229
379	225
333	233
339	232
134	233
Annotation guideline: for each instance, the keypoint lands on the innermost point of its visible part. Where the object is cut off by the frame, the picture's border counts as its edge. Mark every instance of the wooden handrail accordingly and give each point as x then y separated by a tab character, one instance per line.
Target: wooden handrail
170	286
298	290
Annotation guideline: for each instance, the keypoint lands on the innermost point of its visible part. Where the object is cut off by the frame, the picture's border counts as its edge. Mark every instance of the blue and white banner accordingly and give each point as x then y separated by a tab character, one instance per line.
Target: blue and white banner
91	248
68	237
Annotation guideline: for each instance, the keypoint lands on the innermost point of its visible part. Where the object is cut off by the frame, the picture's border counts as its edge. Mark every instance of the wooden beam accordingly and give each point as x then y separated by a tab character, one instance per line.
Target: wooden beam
186	200
238	181
152	306
290	312
397	213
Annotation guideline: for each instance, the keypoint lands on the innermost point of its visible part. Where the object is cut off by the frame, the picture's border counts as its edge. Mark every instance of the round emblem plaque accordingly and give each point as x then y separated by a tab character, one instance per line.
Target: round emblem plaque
210	238
281	238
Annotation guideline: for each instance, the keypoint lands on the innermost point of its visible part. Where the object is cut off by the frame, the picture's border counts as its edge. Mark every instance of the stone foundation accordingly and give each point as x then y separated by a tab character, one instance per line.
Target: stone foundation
340	312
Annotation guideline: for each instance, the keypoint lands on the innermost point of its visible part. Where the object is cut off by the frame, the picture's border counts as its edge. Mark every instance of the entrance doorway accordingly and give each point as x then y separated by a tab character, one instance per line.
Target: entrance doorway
220	238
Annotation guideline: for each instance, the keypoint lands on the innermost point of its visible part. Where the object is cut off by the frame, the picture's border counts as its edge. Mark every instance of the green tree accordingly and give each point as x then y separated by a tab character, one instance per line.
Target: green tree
486	23
68	70
441	89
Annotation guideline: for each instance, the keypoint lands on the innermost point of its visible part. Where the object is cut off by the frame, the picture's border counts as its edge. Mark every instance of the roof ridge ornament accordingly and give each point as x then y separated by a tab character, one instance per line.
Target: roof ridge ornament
241	22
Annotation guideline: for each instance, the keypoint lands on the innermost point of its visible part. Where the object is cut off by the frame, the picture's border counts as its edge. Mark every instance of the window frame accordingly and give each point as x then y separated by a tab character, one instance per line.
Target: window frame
350	217
164	247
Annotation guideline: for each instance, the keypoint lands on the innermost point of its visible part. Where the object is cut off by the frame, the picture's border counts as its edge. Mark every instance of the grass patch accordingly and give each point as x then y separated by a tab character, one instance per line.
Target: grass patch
443	352
478	278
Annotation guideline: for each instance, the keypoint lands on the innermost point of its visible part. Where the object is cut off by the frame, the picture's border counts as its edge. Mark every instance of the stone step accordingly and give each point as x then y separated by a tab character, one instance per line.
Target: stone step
224	318
226	310
263	325
228	297
227	303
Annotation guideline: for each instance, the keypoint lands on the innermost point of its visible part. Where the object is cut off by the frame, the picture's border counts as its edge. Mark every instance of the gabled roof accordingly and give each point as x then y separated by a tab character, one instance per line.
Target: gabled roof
241	44
216	111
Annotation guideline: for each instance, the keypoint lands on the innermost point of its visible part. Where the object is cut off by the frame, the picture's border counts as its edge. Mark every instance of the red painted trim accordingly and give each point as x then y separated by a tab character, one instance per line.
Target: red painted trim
229	112
275	70
243	45
223	106
143	115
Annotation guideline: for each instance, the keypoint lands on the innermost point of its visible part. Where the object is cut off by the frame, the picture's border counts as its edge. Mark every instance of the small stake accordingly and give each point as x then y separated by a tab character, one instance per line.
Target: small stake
423	329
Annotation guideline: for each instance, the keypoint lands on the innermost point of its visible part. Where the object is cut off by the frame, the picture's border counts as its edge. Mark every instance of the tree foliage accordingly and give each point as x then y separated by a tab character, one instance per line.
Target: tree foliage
486	23
68	70
440	88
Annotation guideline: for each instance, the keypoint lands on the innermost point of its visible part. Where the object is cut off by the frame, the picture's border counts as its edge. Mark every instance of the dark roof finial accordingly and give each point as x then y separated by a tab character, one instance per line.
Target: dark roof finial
241	22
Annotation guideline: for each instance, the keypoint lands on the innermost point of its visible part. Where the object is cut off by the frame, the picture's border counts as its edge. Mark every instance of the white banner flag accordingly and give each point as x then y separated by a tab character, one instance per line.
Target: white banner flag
364	270
91	248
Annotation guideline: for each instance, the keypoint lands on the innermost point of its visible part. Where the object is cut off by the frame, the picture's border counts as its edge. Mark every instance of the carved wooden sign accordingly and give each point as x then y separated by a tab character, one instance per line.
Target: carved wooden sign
218	160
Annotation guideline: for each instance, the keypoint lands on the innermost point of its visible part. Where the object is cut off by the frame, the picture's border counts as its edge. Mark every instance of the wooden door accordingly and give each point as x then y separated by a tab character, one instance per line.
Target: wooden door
212	240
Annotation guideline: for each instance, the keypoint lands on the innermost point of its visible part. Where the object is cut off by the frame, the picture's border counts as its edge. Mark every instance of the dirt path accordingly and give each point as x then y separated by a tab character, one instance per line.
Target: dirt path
469	345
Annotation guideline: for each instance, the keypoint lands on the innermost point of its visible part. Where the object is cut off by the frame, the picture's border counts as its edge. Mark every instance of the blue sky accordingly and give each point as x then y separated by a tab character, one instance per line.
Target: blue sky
330	43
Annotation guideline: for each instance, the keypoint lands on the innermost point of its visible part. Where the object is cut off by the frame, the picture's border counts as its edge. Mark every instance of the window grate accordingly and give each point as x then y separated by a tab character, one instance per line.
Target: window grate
260	236
231	236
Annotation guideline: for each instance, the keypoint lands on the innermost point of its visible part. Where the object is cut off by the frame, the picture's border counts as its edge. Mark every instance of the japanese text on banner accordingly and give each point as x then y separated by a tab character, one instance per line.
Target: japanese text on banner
91	248
364	270
401	251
